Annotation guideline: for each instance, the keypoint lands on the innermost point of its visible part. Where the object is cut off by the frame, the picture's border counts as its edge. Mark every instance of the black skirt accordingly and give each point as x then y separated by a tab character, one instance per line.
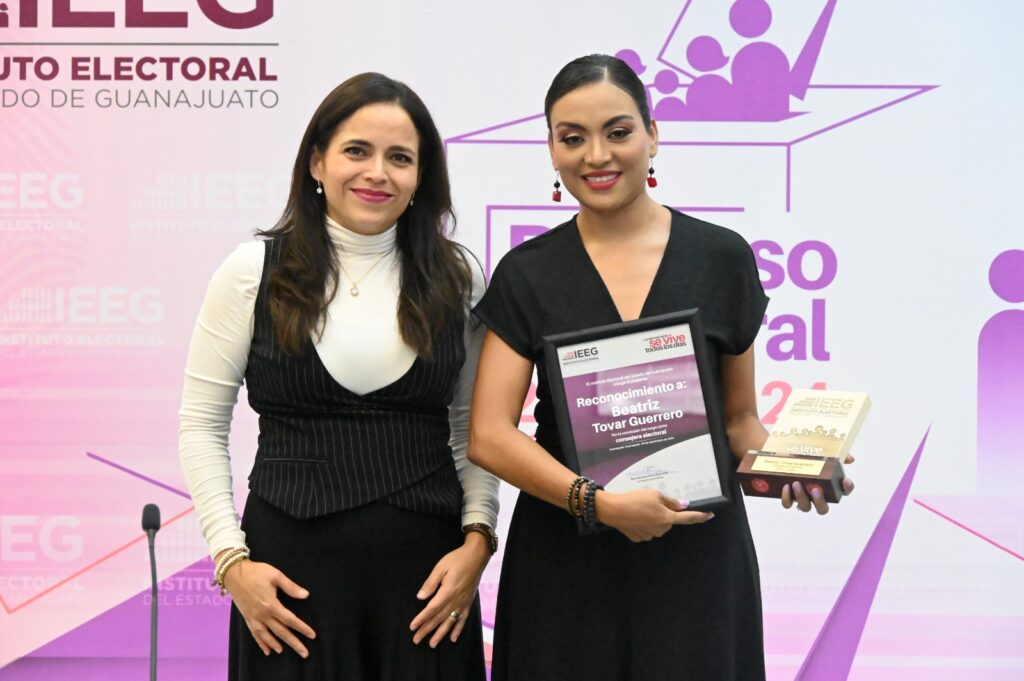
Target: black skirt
683	607
362	568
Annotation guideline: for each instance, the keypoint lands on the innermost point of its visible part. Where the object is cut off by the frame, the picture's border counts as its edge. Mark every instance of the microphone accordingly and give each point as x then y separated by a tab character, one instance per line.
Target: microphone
151	523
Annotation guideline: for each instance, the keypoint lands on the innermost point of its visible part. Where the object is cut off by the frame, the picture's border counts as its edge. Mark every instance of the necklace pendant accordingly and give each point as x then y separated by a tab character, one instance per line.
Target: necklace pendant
354	291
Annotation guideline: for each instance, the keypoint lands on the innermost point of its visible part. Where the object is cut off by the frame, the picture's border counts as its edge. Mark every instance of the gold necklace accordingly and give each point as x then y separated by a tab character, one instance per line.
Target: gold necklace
354	291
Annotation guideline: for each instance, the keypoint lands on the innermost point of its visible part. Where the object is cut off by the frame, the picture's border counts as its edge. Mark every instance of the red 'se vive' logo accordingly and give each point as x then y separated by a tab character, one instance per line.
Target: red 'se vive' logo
664	342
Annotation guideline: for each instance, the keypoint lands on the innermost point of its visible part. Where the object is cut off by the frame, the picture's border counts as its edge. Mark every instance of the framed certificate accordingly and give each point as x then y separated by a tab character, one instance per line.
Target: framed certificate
636	408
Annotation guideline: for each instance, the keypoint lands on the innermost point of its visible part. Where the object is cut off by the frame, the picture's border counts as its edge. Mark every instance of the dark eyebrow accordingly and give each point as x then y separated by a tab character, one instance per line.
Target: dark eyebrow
617	119
364	143
609	123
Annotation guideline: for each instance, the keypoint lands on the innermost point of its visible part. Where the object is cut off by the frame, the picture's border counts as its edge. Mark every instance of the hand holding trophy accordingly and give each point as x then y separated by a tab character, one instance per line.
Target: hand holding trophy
806	449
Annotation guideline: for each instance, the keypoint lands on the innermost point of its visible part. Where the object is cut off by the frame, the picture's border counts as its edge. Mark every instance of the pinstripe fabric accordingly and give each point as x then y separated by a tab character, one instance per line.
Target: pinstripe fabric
323	448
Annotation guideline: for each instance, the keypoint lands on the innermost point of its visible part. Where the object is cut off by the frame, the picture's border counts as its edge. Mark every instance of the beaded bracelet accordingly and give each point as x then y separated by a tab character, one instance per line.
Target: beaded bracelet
224	567
222	564
236	555
590	504
220	560
218	568
578	498
572	498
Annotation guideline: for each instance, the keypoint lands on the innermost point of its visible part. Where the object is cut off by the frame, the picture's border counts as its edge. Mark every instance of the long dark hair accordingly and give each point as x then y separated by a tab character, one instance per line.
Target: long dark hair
596	68
435	277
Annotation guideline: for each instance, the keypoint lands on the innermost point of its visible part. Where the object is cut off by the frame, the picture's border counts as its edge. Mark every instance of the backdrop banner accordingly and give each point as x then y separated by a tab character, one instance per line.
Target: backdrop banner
865	149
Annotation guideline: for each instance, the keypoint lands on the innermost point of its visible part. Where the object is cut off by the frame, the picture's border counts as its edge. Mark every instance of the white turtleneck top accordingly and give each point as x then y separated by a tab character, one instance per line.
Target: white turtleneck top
361	348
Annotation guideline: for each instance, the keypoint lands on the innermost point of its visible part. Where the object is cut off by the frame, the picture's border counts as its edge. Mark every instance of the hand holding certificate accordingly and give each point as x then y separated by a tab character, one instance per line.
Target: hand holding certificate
635	408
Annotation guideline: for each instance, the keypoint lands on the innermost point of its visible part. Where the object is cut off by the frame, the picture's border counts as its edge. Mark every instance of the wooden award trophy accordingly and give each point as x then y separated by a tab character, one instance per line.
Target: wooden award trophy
811	438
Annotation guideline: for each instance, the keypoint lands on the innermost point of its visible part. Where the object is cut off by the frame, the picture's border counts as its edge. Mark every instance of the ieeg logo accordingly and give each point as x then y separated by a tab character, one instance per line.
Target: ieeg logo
580	355
135	15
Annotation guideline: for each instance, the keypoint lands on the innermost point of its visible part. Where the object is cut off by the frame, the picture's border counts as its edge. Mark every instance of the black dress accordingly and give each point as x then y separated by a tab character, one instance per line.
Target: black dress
596	607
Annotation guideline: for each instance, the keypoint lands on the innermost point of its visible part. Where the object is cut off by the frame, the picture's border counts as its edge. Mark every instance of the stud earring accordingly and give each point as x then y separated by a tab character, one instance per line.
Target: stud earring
556	195
319	187
652	181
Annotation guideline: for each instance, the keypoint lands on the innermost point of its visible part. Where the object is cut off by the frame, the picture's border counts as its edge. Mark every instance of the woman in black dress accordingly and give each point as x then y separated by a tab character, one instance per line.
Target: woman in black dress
643	602
366	529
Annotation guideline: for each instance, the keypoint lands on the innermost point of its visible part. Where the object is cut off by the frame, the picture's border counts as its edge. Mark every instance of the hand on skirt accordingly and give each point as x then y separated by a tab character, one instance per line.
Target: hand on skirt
253	587
452	583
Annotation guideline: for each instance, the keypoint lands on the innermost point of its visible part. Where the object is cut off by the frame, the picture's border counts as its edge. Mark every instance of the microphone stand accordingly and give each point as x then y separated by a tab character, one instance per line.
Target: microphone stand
151	523
152	606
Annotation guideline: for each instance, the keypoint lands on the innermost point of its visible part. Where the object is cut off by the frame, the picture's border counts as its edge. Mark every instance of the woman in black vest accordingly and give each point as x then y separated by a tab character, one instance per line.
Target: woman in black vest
366	528
644	601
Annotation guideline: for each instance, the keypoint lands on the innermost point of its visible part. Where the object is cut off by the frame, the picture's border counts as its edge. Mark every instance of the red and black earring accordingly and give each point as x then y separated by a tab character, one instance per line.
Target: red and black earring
652	181
556	195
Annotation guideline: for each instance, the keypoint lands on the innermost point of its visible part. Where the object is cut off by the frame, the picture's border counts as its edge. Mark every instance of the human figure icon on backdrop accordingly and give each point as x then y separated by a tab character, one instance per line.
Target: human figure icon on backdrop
668	108
760	70
708	97
704	54
1001	382
762	80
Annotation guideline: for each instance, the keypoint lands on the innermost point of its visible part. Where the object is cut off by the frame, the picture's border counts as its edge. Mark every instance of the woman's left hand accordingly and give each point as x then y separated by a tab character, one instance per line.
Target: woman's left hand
796	493
453	583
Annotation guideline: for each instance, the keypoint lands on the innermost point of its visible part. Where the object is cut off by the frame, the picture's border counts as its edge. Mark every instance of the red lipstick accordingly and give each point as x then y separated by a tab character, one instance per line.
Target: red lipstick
601	180
372	195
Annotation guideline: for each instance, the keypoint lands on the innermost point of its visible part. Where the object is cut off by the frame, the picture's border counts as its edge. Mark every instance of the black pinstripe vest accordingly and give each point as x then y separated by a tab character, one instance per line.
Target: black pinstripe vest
323	448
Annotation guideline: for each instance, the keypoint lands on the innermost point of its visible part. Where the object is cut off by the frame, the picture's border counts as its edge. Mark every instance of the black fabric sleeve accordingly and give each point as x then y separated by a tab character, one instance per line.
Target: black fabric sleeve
743	309
503	307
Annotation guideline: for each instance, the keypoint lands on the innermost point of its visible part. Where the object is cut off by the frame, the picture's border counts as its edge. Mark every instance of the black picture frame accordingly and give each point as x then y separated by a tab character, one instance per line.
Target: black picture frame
725	462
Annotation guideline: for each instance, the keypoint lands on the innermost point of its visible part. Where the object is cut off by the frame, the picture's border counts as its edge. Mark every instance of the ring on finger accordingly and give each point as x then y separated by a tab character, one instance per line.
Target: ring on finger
455	615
